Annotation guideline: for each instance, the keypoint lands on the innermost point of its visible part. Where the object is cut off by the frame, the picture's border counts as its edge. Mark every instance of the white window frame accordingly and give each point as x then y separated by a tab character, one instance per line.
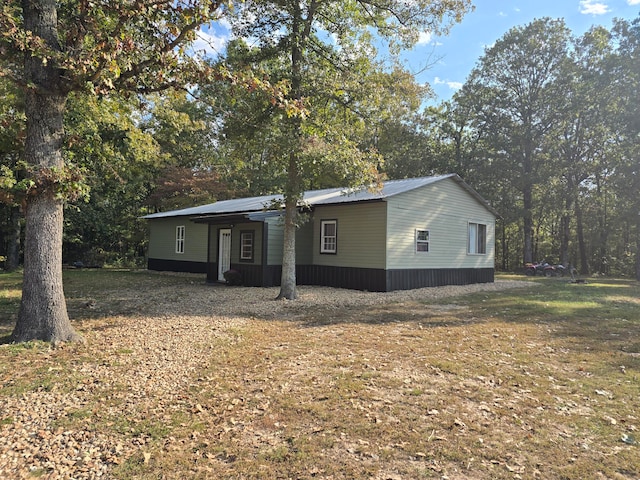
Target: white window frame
328	243
180	231
476	243
421	241
246	245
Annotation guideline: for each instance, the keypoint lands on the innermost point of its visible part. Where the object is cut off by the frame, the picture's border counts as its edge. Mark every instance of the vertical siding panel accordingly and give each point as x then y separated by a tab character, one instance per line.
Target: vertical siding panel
361	229
304	244
445	209
275	241
162	240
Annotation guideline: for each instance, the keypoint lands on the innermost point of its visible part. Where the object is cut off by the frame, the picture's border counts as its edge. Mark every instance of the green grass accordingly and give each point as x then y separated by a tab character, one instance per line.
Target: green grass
10	295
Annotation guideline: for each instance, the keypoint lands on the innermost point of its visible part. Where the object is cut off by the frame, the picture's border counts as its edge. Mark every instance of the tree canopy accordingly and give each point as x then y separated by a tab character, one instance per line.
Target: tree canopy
326	53
547	123
49	49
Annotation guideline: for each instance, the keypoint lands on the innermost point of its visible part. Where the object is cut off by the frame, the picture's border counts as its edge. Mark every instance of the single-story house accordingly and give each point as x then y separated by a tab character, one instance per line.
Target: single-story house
411	233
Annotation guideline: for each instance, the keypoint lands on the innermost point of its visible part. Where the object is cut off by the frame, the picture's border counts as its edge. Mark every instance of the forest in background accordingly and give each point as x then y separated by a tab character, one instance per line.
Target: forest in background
546	128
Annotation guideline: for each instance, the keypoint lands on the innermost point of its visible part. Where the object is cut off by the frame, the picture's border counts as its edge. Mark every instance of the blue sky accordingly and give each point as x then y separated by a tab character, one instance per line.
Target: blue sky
452	57
445	62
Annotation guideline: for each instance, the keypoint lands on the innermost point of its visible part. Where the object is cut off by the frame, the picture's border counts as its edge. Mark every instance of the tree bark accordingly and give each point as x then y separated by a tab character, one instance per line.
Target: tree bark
638	247
288	280
527	196
300	31
43	310
13	253
565	225
582	247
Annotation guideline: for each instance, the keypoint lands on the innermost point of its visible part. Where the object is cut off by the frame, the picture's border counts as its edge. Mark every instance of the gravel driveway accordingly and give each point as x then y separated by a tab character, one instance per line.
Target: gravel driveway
78	417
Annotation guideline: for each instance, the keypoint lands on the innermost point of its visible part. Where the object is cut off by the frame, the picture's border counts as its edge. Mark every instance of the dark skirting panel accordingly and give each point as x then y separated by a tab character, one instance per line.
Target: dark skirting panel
369	279
419	278
163	265
212	273
375	280
257	275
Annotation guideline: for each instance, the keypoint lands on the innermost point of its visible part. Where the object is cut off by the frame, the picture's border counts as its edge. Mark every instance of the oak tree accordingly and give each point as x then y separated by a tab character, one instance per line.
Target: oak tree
51	48
515	88
326	51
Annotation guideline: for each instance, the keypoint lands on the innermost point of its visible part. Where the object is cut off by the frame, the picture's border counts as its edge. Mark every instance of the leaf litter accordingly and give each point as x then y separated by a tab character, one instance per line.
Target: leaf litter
235	385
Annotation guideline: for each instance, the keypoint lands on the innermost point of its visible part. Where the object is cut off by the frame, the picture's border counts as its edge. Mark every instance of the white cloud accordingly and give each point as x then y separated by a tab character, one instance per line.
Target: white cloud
424	38
502	14
209	44
633	2
450	84
593	7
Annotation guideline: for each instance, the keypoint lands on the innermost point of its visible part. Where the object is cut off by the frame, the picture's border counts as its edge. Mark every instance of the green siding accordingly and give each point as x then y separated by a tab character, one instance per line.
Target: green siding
372	235
254	227
445	209
213	243
162	240
304	243
360	235
275	240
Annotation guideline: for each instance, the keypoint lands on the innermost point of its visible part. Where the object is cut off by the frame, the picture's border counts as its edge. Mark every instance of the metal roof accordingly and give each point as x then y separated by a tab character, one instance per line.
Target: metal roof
328	196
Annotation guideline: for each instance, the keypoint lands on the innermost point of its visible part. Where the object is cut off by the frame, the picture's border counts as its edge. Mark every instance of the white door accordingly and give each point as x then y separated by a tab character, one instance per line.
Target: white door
224	252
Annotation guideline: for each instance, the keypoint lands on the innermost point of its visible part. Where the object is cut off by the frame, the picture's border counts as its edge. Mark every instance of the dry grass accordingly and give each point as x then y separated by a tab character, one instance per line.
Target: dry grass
182	380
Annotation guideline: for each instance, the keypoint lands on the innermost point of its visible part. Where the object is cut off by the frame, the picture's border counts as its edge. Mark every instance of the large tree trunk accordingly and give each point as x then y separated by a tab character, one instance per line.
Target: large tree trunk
565	224
288	279
527	198
565	233
43	311
505	251
528	223
638	247
582	247
293	191
13	253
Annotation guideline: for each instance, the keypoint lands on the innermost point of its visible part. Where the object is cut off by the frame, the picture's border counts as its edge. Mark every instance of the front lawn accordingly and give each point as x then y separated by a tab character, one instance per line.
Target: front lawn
179	379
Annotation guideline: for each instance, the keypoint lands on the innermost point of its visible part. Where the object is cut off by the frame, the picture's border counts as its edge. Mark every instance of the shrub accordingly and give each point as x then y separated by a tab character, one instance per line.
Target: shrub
233	277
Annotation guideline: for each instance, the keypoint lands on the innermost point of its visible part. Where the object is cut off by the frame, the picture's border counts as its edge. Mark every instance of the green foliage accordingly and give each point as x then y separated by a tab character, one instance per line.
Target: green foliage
107	46
346	92
546	130
12	130
103	136
326	53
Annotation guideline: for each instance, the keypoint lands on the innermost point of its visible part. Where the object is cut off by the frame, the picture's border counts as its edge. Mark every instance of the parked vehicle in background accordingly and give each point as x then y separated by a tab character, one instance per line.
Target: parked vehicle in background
544	268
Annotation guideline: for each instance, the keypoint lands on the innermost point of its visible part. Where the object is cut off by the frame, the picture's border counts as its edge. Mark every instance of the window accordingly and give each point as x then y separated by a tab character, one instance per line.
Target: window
328	236
477	238
180	239
246	246
422	241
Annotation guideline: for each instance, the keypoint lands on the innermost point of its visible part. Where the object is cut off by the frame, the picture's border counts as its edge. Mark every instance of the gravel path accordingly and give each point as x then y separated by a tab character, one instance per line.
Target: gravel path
198	298
138	366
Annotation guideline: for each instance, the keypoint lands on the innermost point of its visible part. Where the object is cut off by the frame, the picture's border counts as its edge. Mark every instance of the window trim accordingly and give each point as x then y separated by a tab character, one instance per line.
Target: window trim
324	250
480	243
252	235
426	242
180	236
